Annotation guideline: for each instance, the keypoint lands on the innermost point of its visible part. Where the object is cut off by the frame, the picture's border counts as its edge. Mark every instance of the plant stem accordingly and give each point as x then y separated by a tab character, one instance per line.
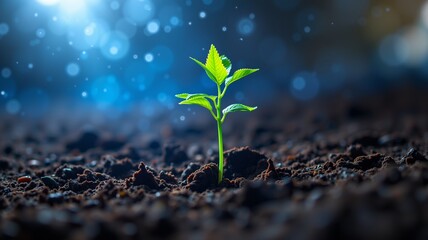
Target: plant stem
220	152
220	137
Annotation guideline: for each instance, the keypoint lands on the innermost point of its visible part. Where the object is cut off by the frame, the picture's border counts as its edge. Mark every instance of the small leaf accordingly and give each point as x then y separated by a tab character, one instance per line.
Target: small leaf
237	107
226	63
188	96
215	65
207	71
196	95
201	101
238	74
182	95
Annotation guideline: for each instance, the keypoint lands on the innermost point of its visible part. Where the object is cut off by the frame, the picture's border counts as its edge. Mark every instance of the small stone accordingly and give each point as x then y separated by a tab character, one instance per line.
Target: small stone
50	182
192	167
25	179
413	156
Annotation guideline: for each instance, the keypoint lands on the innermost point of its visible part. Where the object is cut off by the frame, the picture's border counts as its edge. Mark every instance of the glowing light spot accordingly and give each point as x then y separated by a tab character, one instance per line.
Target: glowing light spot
148	57
72	69
3	93
40	33
4	29
30	66
6	72
202	14
84	94
167	29
153	27
138	11
307	29
71	7
299	83
182	118
89	30
304	86
114	45
13	106
174	21
245	26
114	50
48	2
84	55
224	29
135	56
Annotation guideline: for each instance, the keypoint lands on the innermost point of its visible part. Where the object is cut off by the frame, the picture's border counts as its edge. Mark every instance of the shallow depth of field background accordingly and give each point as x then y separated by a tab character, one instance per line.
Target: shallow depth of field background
128	54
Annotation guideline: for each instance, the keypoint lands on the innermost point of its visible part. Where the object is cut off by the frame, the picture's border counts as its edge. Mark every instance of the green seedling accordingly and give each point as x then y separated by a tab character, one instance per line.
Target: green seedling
218	69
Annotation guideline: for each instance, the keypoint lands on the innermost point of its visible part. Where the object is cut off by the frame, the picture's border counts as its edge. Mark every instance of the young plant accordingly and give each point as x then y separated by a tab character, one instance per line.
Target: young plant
218	69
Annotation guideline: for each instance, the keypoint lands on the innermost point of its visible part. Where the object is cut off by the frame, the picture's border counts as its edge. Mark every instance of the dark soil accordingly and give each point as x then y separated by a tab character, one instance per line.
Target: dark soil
334	169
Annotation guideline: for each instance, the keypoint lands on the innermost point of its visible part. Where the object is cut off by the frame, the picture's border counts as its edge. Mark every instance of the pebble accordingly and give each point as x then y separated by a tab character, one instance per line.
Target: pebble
50	182
25	179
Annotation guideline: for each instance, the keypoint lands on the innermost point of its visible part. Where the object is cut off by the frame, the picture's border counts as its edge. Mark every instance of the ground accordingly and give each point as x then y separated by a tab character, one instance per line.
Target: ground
339	168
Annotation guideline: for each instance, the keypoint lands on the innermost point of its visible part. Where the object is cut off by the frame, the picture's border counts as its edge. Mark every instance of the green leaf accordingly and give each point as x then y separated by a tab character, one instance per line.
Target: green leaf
226	63
182	95
208	72
215	65
188	96
201	101
240	73
237	107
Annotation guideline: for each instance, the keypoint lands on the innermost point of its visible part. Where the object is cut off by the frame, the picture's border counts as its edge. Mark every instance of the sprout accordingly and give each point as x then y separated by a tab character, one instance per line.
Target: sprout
218	69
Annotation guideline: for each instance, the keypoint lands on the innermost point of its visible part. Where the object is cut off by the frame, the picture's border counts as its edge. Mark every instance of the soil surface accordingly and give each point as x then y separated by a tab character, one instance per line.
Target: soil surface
338	168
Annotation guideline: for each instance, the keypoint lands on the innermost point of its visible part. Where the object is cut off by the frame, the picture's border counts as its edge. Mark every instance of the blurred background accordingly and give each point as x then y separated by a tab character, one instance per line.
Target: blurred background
118	54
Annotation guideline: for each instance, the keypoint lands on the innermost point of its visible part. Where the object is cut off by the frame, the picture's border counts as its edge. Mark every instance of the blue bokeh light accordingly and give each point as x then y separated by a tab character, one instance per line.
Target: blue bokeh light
4	29
304	86
138	11
13	106
8	87
245	26
153	27
114	45
6	72
72	69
